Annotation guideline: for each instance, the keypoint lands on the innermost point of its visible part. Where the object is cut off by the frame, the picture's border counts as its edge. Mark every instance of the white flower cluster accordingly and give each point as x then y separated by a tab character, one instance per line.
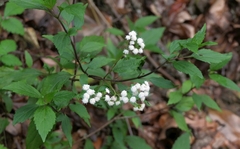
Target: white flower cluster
138	93
136	45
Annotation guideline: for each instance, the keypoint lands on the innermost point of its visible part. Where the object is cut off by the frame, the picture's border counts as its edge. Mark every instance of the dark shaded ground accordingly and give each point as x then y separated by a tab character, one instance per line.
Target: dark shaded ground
182	19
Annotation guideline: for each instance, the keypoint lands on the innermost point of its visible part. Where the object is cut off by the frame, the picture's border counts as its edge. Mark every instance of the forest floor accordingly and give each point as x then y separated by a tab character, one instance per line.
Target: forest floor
181	19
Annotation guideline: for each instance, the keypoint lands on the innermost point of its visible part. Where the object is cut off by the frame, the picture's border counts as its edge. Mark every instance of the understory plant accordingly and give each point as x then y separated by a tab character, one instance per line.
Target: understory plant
105	75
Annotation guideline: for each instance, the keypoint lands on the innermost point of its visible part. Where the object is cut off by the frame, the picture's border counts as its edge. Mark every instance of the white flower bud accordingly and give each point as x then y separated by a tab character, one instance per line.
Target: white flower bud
107	98
125	99
131	42
142	107
141	95
131	47
92	101
132	33
86	95
135	51
137	86
142	45
133	89
117	103
133	38
114	98
99	94
86	87
107	91
139	40
110	103
125	52
85	100
97	99
127	37
91	92
124	93
133	99
140	50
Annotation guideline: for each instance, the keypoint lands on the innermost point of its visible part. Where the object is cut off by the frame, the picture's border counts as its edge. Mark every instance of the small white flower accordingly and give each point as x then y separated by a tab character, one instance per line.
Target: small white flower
131	47
127	37
99	94
135	51
92	101
146	93
85	100
142	99
86	95
142	107
91	92
117	103
131	42
141	95
114	98
125	52
125	99
107	91
139	40
137	86
135	93
140	50
124	93
135	108
143	87
97	99
133	99
86	87
107	98
133	89
132	33
110	103
133	38
142	45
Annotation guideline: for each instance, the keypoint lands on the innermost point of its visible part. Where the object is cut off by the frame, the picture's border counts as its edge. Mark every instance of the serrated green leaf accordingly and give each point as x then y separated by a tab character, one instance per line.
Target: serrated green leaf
136	120
92	47
12	25
185	104
83	79
49	3
179	118
182	142
8	102
31	4
7	46
197	81
176	45
115	31
224	82
10	60
209	56
2	146
175	97
112	51
61	99
208	43
186	86
152	36
188	68
54	82
44	119
28	59
62	42
24	113
118	134
78	11
49	37
216	66
191	46
81	111
111	112
208	101
200	35
4	123
23	88
145	21
154	48
161	82
88	144
100	61
33	139
135	142
12	9
67	128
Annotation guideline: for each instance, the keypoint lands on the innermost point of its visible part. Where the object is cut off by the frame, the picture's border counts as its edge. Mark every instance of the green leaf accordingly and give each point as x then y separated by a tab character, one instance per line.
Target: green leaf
224	82
31	4
185	104
12	25
28	59
88	144
2	146
174	97
49	37
67	128
179	118
49	3
188	68
23	88
92	47
216	66
209	56
154	48
81	111
161	82
135	142
115	31
208	43
7	46
24	113
33	139
186	86
176	45
118	135
54	82
152	36
100	61
62	98
78	11
4	123
111	112
136	120
83	79
10	60
182	142
12	9
8	102
191	46
200	35
62	42
208	101
44	119
145	21
197	81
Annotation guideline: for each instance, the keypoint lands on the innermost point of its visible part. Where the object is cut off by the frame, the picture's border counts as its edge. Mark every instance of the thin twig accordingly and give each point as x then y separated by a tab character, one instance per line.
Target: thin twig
129	127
